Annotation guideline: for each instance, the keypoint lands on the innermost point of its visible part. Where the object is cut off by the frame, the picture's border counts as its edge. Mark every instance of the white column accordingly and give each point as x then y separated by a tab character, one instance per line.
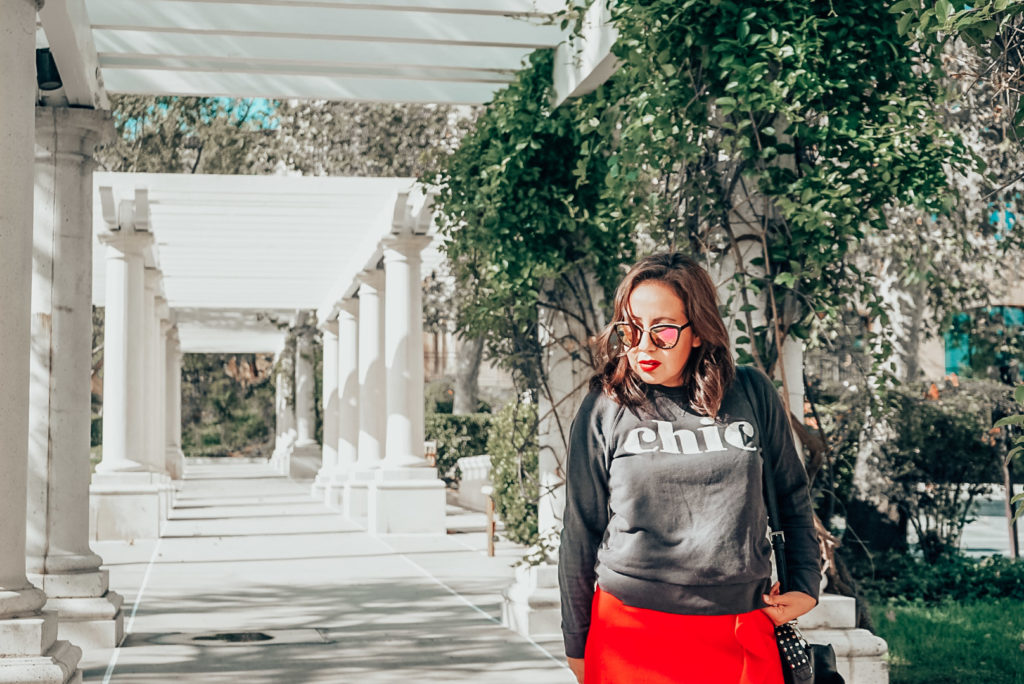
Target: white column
372	417
305	388
284	413
371	378
348	400
151	331
163	316
174	458
129	495
348	384
406	496
28	650
59	559
329	409
124	394
403	350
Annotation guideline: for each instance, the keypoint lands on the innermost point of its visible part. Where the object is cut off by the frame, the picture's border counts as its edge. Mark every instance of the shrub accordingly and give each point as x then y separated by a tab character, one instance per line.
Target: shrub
456	436
439	396
514	470
940	457
906	578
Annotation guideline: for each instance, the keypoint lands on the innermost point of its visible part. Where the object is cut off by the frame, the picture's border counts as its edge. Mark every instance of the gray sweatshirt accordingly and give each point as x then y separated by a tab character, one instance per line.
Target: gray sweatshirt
665	509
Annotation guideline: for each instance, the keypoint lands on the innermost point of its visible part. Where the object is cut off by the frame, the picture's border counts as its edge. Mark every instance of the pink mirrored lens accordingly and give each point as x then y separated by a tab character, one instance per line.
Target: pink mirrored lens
664	337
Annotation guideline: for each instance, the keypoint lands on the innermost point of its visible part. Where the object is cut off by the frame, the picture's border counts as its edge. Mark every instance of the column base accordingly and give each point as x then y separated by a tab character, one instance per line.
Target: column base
860	655
304	462
30	652
318	490
90	622
126	506
532	605
175	462
88	614
406	501
281	458
334	491
356	492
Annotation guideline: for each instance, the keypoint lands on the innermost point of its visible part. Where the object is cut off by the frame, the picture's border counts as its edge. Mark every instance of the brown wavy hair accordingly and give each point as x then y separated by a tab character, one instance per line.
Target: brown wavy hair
709	370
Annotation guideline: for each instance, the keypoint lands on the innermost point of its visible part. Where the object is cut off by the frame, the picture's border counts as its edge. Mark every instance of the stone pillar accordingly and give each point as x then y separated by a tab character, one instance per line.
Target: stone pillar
284	413
348	400
329	386
407	495
305	415
29	651
174	458
123	379
305	461
372	425
151	331
403	351
59	559
128	494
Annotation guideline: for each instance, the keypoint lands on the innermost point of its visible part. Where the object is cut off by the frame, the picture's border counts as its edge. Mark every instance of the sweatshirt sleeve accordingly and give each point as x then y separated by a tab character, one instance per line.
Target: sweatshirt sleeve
782	460
584	523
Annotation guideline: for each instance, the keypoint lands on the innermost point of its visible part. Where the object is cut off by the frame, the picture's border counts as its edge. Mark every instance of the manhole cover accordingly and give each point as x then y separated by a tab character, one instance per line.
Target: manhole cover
234	637
265	637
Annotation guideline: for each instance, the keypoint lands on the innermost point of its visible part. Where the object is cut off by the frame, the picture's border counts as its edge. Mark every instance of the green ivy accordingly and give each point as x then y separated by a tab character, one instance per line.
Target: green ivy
517	201
789	122
514	463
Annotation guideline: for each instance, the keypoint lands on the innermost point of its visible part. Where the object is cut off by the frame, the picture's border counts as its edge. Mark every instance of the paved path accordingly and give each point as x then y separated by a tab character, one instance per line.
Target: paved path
247	551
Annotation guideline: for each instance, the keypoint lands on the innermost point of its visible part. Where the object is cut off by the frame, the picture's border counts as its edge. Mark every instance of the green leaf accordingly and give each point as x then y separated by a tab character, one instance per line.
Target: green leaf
904	23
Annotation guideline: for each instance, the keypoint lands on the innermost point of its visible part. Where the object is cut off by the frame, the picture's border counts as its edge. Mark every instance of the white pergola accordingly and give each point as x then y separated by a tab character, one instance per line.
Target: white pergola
202	263
240	254
432	51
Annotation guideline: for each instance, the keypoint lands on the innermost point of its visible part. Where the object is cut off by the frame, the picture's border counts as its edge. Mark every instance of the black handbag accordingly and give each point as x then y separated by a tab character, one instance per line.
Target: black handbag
802	662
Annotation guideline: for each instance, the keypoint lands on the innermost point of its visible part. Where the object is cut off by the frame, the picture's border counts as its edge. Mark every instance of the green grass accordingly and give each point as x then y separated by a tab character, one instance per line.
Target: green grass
954	643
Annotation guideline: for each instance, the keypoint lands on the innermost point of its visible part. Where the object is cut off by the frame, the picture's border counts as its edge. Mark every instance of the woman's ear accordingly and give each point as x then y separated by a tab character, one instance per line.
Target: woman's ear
695	342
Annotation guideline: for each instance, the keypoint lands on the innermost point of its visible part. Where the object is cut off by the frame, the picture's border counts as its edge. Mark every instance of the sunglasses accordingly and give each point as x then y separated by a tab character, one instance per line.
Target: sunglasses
663	335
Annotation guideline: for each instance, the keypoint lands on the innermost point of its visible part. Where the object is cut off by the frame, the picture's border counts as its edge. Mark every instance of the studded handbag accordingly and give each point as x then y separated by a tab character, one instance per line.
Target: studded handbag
802	662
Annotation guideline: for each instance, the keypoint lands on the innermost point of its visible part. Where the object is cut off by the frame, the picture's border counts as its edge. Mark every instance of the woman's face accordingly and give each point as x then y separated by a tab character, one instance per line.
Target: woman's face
651	303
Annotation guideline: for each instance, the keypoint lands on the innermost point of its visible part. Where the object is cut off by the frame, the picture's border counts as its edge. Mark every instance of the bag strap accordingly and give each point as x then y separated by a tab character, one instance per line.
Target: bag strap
778	537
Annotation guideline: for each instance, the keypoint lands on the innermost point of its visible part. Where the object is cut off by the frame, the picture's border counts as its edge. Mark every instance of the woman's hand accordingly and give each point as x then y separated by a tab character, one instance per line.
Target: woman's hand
576	665
785	607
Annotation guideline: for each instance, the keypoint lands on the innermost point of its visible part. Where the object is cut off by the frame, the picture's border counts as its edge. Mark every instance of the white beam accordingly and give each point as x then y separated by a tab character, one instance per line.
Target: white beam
321	21
583	64
115	42
334	71
66	25
153	81
531	8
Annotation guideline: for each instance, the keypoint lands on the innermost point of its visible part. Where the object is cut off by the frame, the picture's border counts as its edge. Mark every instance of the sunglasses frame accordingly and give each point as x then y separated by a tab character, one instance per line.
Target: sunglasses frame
649	331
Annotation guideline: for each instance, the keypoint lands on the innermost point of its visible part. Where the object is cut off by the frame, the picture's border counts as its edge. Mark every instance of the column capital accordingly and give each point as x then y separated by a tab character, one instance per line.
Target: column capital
349	306
152	278
163	312
126	241
372	278
403	247
329	327
75	132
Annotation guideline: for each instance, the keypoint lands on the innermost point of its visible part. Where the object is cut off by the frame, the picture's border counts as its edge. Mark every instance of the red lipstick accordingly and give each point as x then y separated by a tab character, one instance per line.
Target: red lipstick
649	365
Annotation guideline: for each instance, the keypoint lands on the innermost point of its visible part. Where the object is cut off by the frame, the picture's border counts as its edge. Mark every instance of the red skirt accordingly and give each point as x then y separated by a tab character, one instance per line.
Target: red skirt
629	645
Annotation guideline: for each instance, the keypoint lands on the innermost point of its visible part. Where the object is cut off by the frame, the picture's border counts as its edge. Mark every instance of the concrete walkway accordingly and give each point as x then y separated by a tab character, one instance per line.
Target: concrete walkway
309	596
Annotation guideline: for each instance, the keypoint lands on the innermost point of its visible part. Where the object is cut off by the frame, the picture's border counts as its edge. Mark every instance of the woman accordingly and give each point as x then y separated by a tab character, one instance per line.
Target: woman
664	508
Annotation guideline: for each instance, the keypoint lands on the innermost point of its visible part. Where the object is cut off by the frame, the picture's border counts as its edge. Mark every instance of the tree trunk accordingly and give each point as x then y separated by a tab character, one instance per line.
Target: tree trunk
1011	522
467	373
